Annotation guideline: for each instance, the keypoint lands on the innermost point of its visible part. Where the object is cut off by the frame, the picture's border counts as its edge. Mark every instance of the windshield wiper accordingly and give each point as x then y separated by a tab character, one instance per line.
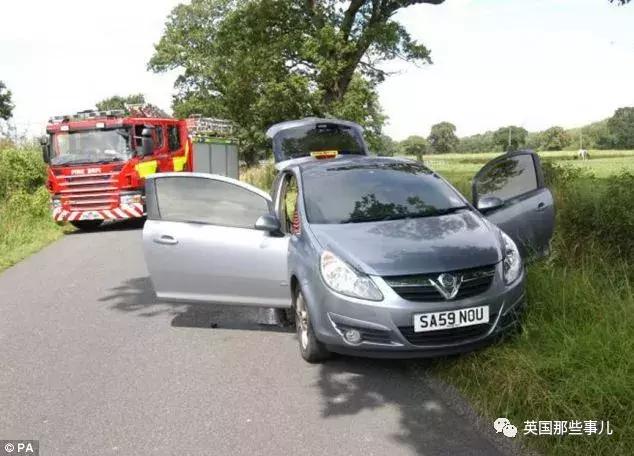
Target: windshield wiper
410	215
86	160
450	210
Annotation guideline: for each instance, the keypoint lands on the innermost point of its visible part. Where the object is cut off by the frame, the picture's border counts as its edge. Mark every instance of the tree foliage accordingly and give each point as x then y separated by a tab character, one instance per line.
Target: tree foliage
257	62
442	138
621	128
555	138
414	145
119	102
6	106
386	146
481	142
514	141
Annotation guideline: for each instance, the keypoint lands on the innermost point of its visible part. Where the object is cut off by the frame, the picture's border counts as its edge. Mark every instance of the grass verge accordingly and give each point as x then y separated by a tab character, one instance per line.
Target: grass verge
25	226
571	362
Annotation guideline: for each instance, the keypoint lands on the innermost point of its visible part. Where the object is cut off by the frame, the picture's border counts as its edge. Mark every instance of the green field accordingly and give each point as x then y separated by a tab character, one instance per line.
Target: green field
602	163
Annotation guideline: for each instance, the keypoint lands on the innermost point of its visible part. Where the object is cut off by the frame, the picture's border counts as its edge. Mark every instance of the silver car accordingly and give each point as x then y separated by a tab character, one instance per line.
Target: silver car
375	256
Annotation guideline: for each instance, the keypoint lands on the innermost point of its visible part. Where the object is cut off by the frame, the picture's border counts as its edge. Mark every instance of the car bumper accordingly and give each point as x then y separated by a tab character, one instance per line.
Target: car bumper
387	326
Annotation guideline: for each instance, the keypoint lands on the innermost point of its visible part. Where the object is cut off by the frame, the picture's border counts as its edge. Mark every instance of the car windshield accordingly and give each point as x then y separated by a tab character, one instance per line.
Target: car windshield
91	146
305	140
368	192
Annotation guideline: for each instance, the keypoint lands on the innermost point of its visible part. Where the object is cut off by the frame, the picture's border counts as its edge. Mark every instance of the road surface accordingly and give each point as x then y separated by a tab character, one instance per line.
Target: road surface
92	365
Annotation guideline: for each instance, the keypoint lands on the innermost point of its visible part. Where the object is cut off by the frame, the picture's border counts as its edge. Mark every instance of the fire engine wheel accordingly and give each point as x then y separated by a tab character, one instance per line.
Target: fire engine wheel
87	225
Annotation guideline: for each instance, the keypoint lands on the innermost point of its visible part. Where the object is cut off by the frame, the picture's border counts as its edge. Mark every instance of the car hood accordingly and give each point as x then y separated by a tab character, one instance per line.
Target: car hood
413	246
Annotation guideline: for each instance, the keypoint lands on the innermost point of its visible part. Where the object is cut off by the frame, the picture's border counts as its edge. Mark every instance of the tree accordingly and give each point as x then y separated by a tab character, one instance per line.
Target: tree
414	145
6	106
442	138
257	62
555	138
119	102
517	138
476	143
386	146
621	128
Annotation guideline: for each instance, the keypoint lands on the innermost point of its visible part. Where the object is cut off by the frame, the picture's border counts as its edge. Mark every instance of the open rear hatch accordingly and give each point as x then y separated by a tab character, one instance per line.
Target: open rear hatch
318	138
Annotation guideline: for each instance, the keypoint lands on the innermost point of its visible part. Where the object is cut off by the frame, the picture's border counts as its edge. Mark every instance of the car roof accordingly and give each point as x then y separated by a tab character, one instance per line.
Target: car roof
308	165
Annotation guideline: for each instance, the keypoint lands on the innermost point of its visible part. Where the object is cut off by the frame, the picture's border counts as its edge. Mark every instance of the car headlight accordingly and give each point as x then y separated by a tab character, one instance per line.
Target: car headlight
131	198
345	280
512	259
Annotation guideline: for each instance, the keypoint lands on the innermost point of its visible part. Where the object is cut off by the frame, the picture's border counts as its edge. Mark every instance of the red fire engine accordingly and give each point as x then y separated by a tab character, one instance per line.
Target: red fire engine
98	161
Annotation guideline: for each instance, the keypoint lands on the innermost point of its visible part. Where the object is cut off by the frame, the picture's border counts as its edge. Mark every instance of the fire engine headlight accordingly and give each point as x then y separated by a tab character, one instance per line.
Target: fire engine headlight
131	198
56	202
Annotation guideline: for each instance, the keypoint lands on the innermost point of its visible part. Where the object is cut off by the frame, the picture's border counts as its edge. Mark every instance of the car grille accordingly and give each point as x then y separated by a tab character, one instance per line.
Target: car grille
377	336
419	288
89	192
447	336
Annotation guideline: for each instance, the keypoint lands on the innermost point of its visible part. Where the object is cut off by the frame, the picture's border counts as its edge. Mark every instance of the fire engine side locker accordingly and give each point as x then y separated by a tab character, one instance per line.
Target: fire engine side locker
216	156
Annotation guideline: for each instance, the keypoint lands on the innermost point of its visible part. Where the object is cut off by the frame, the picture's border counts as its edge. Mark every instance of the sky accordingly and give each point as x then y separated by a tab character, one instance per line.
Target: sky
534	63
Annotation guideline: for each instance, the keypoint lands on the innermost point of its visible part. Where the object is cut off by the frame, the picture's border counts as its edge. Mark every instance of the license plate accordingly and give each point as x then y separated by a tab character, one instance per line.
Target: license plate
451	319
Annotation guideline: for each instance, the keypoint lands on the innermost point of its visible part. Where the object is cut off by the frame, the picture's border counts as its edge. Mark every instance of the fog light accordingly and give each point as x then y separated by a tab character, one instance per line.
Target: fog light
352	335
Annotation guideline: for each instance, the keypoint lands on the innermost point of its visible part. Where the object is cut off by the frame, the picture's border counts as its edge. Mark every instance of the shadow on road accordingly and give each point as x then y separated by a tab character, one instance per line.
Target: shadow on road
137	296
351	386
123	225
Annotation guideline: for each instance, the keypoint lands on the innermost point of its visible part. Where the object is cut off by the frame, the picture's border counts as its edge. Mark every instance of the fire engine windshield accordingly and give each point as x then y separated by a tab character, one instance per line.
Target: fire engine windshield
91	146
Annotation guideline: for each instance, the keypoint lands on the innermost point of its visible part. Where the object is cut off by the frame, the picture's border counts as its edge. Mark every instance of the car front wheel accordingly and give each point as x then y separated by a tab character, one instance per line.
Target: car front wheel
310	348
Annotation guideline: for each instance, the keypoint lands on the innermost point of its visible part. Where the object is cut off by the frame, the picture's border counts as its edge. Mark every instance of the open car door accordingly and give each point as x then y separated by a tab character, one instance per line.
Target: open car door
201	245
512	186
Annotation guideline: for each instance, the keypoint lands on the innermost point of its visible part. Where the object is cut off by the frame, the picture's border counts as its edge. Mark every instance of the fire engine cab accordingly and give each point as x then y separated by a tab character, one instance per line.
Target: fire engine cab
98	160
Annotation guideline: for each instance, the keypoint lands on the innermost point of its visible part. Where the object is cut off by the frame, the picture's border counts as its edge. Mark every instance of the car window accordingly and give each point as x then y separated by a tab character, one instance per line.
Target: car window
289	201
309	140
201	200
381	190
173	138
509	178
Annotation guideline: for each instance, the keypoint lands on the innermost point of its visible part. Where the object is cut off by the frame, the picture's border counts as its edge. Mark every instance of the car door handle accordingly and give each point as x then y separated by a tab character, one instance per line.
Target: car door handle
541	207
166	239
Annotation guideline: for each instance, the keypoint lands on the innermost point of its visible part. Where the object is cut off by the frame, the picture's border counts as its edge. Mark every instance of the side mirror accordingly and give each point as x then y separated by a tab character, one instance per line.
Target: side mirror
45	149
268	223
147	143
489	203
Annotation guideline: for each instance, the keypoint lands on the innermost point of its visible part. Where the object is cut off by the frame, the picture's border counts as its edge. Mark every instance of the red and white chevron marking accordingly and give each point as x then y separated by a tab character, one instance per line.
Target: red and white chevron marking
123	212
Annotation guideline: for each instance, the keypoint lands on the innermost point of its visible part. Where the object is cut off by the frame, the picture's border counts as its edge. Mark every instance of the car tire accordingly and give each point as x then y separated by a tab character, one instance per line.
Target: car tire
87	225
310	348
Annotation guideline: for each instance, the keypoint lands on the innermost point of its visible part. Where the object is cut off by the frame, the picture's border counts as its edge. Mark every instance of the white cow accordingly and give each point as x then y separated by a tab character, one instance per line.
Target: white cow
583	154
